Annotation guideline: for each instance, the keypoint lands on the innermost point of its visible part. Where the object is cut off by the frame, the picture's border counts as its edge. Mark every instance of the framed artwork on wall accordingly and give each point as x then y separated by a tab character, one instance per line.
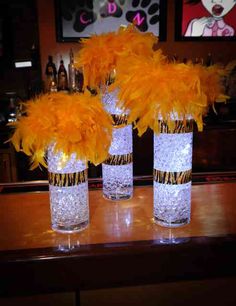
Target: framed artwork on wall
77	19
205	20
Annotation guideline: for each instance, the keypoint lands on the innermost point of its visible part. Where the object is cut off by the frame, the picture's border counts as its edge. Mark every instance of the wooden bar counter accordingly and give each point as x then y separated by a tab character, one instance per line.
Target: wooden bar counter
122	245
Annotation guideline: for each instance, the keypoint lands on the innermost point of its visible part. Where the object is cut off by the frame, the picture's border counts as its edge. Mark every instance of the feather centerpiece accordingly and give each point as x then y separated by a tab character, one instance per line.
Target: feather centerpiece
75	123
151	88
99	55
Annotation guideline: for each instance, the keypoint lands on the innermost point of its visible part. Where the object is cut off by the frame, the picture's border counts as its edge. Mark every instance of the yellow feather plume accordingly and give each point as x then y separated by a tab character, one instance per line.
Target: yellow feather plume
150	87
76	123
100	53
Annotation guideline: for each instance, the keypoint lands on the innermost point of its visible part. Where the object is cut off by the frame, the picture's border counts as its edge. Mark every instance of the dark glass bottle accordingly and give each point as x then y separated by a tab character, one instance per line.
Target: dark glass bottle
209	60
72	73
51	75
62	77
80	79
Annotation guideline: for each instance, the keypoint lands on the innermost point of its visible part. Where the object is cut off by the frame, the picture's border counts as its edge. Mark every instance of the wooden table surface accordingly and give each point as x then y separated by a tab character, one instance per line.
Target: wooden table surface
25	218
121	246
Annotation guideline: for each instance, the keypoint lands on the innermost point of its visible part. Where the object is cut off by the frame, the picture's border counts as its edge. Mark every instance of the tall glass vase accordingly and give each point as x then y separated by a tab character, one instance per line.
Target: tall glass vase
117	169
68	188
173	173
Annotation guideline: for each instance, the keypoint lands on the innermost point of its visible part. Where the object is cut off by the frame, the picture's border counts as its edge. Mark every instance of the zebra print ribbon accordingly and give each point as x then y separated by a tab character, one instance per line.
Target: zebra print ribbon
119	120
172	178
67	179
176	127
118	160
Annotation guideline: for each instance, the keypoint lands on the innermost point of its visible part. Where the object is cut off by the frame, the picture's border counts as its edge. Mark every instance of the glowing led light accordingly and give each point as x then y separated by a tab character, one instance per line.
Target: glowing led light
117	181
23	64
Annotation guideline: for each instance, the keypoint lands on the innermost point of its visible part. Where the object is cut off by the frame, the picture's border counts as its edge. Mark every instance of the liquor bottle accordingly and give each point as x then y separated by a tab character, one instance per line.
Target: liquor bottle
72	73
62	77
175	58
79	79
51	75
12	110
209	60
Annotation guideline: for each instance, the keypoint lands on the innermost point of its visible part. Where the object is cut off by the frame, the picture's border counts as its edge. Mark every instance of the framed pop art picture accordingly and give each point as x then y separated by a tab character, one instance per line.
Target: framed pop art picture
77	19
205	20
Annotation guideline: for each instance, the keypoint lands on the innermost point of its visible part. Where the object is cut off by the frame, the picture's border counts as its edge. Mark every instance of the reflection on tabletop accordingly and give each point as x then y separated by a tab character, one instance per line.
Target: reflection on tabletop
25	219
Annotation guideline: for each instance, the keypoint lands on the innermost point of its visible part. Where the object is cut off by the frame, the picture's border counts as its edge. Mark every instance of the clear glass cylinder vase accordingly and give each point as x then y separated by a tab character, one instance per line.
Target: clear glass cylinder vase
117	170
68	189
173	173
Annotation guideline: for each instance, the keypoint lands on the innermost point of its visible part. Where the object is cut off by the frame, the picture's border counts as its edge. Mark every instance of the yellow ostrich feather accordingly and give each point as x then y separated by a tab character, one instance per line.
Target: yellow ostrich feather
151	87
75	123
99	54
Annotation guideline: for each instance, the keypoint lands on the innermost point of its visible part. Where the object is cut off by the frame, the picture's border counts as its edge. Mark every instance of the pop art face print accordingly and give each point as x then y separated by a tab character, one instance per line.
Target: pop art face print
218	8
209	18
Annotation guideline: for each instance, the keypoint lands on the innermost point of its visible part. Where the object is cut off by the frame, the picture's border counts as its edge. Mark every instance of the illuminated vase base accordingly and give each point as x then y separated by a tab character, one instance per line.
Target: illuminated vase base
69	208
68	191
175	223
172	204
117	182
126	195
62	228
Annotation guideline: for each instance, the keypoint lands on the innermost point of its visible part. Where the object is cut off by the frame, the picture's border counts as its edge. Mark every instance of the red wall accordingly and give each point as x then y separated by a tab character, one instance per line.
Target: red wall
221	51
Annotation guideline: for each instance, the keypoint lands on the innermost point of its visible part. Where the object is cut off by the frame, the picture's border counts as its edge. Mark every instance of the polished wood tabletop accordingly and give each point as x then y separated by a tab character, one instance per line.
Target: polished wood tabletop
25	218
121	246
